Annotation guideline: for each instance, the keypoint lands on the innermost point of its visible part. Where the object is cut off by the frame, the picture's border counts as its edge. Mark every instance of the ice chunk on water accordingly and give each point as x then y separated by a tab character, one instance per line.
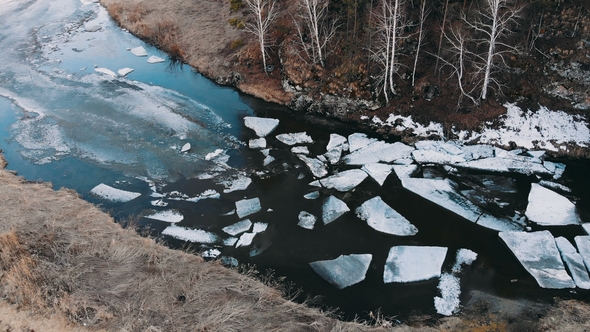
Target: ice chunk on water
191	235
336	141
333	155
139	51
312	195
315	166
257	143
240	183
230	241
378	152
555	186
229	261
332	209
262	126
464	257
245	240
548	208
586	227
538	254
503	165
442	193
295	138
574	262
124	71
214	154
306	220
450	289
344	271
267	160
300	150
113	194
155	59
583	243
404	171
344	181
207	194
247	207
358	140
237	228
259	227
211	253
383	218
379	172
413	263
105	71
171	216
436	157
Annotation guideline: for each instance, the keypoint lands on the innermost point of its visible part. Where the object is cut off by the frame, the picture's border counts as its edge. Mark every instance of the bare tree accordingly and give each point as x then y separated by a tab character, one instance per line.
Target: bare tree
493	22
442	31
313	15
265	13
421	32
390	26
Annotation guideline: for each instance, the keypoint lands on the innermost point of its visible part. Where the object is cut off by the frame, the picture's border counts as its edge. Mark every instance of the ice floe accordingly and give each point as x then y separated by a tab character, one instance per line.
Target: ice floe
171	216
245	240
383	218
404	171
503	165
555	186
124	71
450	288
261	126
155	59
378	151
463	257
436	157
229	261
359	140
343	181
337	141
586	227
583	244
306	220
413	263
237	228
574	262
315	166
230	241
267	160
257	143
207	194
548	208
191	235
300	150
259	227
312	195
379	172
113	194
344	271
240	183
332	209
538	254
333	156
442	193
295	138
211	253
105	71
214	154
139	51
247	207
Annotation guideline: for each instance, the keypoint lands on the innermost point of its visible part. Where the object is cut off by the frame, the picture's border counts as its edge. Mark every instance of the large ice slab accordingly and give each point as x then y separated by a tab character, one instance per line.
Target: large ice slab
191	235
538	254
171	216
261	126
295	138
383	218
237	228
359	140
548	208
247	207
241	182
113	194
245	239
257	143
404	171
139	51
332	209
413	263
442	193
337	141
315	166
379	172
344	271
124	71
436	157
503	165
343	181
583	244
574	262
378	151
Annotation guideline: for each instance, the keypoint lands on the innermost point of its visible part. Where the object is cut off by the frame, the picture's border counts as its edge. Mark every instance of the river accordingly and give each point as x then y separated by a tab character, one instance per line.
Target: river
64	122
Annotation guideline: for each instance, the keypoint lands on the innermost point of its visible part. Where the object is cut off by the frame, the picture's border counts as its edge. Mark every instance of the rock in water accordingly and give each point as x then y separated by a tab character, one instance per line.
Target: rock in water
548	208
332	209
261	126
413	263
538	254
344	181
383	218
344	271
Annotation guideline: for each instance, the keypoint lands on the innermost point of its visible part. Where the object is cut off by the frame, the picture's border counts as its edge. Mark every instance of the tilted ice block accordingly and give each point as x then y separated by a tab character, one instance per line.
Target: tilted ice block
548	208
344	271
336	141
344	181
262	126
413	263
538	254
574	262
315	166
383	218
379	172
332	209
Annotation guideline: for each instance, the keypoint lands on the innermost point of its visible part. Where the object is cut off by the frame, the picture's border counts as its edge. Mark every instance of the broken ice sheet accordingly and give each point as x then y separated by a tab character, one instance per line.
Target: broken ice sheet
332	209
538	254
306	220
191	235
257	143
237	228
211	253
295	138
548	208
379	172
247	207
344	271
343	181
574	262
113	194
404	171
337	141
413	263
241	182
245	240
383	218
315	166
105	71
259	227
359	140
171	216
312	195
300	150
262	126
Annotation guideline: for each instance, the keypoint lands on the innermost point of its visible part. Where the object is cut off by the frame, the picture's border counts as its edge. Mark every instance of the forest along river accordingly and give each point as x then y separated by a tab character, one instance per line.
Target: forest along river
69	116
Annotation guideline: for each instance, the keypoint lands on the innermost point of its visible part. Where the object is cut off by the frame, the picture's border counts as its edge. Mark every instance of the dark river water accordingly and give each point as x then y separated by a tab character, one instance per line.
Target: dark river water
63	122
